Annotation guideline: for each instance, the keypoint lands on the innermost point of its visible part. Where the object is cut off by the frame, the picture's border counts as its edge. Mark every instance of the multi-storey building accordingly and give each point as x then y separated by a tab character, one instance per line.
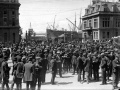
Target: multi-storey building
9	21
101	20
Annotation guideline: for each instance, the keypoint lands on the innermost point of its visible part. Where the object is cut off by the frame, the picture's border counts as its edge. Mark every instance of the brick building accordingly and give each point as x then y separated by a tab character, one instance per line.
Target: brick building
101	20
9	21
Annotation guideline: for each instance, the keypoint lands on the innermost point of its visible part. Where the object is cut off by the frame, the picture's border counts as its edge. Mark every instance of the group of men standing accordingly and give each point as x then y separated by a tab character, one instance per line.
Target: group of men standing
31	62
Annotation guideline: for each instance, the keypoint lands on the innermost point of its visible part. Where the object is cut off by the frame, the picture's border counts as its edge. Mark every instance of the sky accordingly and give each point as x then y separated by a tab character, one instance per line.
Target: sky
43	13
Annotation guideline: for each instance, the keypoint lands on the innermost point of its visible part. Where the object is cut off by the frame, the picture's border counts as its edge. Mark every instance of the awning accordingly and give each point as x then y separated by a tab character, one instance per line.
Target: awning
62	35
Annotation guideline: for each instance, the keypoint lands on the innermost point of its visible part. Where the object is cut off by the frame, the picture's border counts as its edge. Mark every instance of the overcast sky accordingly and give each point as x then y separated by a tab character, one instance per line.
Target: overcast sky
42	12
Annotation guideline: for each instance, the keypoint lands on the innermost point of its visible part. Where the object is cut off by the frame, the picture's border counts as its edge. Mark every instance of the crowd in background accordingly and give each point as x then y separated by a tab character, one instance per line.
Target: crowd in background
31	61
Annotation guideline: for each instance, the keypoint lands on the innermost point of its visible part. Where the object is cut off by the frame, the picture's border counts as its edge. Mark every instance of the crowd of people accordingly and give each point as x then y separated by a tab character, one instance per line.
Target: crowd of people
31	61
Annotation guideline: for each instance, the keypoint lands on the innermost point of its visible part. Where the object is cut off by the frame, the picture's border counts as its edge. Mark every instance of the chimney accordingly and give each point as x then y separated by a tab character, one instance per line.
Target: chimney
95	1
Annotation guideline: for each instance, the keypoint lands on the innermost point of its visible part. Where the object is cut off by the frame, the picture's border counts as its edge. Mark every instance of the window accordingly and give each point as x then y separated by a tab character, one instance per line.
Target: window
105	9
108	34
13	21
85	24
13	13
5	37
5	12
13	37
90	23
117	22
98	7
103	34
95	23
4	21
106	22
95	35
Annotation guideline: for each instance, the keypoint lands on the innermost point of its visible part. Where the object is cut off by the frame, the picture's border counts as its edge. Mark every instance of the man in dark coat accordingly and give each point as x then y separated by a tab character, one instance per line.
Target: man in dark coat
103	68
37	68
19	73
80	67
44	67
54	69
1	60
28	73
96	68
116	67
5	73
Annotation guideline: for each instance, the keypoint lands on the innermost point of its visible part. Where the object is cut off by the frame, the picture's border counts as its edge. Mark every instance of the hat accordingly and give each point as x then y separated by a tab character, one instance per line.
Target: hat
58	52
117	55
37	57
102	54
5	57
30	59
88	55
14	59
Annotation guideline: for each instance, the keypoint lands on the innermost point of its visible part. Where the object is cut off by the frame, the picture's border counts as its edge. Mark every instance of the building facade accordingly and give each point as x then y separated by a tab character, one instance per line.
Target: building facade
101	20
9	21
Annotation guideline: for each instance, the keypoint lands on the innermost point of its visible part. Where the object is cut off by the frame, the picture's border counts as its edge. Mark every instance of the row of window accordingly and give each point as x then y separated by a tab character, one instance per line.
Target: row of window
6	37
5	21
89	23
5	13
107	34
106	22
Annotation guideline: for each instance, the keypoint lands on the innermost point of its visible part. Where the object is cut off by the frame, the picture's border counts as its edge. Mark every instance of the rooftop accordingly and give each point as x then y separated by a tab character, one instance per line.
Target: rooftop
102	6
9	1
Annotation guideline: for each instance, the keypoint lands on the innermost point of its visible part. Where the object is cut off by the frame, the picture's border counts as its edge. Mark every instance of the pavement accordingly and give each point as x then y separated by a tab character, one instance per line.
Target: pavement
68	82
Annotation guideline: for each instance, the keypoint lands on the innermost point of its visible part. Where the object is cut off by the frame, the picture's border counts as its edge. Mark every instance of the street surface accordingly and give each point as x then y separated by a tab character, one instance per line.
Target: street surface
69	82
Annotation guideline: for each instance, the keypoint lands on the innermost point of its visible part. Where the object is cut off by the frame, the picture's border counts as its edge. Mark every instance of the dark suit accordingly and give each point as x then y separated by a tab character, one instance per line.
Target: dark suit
80	67
54	70
19	74
28	74
96	68
44	69
37	68
5	74
103	68
115	64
